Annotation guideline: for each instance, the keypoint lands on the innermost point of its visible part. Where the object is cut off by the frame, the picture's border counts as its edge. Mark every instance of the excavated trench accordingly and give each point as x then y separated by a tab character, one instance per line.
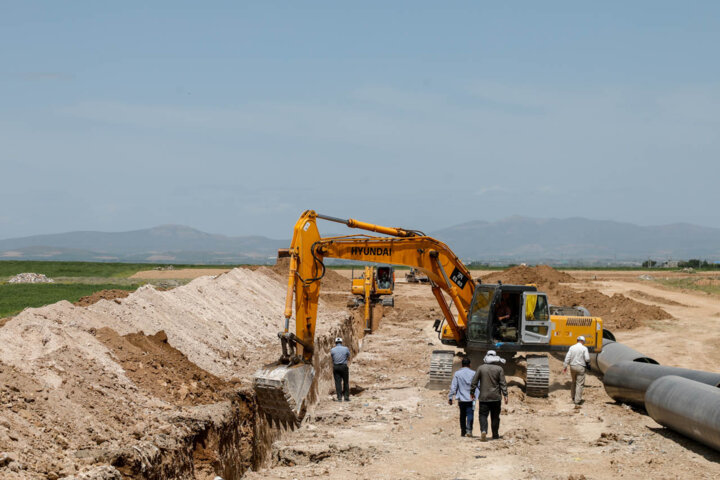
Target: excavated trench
229	437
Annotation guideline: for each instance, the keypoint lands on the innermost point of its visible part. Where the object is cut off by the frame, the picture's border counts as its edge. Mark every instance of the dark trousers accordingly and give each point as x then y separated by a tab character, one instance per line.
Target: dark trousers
492	408
466	417
342	381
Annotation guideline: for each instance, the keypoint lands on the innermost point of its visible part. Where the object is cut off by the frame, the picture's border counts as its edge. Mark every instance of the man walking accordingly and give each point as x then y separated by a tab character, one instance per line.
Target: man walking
490	379
577	357
460	389
340	355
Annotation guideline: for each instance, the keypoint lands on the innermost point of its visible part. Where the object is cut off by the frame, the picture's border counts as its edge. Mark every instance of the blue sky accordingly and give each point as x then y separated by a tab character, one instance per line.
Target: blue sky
233	117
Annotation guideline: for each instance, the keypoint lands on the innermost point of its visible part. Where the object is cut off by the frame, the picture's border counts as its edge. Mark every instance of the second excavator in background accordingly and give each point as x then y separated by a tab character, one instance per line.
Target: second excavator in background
470	309
373	287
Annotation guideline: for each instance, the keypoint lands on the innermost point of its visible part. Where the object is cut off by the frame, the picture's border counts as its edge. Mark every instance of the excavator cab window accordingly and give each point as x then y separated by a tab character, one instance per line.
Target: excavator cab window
384	277
479	317
506	316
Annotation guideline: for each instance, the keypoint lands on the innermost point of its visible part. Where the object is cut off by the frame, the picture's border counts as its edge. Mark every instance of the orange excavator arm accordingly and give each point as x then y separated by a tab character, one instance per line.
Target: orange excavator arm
400	247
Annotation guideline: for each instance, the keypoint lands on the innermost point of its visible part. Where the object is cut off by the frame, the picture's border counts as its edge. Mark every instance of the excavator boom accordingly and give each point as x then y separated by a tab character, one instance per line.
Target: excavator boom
282	387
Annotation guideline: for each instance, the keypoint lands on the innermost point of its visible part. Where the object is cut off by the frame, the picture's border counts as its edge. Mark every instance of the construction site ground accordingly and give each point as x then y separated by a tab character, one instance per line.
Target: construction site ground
156	385
396	428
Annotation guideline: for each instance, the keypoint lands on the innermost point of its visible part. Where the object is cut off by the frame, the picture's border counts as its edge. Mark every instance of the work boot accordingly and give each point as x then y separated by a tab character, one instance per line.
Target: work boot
347	399
469	433
483	436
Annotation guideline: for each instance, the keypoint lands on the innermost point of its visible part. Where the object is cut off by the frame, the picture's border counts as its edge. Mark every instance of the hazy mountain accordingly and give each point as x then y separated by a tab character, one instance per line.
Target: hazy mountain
570	239
166	243
514	239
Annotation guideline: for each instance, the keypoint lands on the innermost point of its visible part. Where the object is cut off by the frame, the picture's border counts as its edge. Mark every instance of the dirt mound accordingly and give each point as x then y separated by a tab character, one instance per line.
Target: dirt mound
143	386
112	294
521	275
618	312
331	281
335	281
162	371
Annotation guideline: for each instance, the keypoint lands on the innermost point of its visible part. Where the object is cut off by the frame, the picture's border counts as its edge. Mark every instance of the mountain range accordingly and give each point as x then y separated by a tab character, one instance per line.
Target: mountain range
514	239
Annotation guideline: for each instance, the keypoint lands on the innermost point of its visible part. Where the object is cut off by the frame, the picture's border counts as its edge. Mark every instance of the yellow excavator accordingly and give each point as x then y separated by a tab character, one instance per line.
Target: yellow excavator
372	287
470	322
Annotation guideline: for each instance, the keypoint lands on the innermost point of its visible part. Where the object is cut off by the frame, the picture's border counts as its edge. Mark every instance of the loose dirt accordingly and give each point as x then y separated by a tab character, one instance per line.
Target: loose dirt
111	294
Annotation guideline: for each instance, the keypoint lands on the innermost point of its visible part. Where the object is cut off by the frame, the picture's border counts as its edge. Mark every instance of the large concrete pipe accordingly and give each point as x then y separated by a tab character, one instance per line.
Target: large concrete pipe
616	352
686	406
627	382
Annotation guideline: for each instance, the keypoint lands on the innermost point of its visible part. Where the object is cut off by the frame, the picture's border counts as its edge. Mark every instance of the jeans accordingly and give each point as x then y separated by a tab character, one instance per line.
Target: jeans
342	381
492	408
466	417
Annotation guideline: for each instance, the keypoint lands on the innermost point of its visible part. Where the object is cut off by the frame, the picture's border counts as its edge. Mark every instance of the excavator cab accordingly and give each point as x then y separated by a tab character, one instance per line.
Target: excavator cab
385	280
513	314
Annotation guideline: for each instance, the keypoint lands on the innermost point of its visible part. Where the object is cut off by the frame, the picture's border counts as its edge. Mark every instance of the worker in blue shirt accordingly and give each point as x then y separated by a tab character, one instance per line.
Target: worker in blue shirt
340	355
460	389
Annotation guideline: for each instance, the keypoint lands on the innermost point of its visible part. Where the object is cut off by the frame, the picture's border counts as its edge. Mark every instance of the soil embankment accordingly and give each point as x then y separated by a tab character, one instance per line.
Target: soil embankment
153	385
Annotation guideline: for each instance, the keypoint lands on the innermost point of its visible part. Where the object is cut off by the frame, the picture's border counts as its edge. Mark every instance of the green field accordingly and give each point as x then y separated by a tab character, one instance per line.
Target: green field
72	281
14	297
9	268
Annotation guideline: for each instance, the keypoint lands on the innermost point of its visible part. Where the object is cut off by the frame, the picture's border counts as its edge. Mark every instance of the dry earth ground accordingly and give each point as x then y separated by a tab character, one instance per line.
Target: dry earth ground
396	428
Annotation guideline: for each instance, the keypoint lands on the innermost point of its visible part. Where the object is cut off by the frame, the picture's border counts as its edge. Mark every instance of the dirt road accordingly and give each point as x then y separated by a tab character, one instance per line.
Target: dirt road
396	428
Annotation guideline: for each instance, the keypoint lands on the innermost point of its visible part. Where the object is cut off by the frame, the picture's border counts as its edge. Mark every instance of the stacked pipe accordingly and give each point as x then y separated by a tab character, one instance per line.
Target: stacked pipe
685	400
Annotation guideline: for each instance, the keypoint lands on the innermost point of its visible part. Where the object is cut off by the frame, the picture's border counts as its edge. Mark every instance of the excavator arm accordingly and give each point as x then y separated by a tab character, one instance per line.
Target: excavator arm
401	247
282	387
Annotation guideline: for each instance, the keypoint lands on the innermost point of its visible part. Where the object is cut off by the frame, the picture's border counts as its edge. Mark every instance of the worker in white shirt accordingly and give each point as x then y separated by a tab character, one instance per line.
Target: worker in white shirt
577	358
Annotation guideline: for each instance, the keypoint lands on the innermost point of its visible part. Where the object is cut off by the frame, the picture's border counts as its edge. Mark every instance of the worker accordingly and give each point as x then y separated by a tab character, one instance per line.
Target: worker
340	355
460	389
502	317
503	311
490	379
578	358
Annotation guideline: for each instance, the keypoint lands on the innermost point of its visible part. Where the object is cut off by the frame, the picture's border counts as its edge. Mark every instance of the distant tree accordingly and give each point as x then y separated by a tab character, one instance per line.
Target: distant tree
694	263
649	263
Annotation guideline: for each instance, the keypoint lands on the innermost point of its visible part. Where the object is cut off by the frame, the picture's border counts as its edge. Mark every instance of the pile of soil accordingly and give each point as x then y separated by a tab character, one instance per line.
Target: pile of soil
522	275
144	386
618	312
332	281
111	294
161	371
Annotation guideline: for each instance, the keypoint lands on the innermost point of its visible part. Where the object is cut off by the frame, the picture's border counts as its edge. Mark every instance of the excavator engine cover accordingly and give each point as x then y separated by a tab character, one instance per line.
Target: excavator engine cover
282	391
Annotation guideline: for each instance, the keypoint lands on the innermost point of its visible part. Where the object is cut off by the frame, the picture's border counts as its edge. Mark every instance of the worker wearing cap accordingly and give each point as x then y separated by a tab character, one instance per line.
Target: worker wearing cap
340	355
460	389
577	358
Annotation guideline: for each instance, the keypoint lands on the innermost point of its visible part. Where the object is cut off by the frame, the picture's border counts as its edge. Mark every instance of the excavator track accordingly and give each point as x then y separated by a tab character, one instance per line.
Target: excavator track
537	377
441	364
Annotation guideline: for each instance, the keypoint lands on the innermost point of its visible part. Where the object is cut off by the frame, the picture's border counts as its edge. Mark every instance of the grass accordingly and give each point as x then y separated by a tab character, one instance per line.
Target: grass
690	283
9	268
14	297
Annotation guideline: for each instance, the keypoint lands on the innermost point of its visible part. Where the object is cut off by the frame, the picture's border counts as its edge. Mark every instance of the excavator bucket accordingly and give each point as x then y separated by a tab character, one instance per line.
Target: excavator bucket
282	392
